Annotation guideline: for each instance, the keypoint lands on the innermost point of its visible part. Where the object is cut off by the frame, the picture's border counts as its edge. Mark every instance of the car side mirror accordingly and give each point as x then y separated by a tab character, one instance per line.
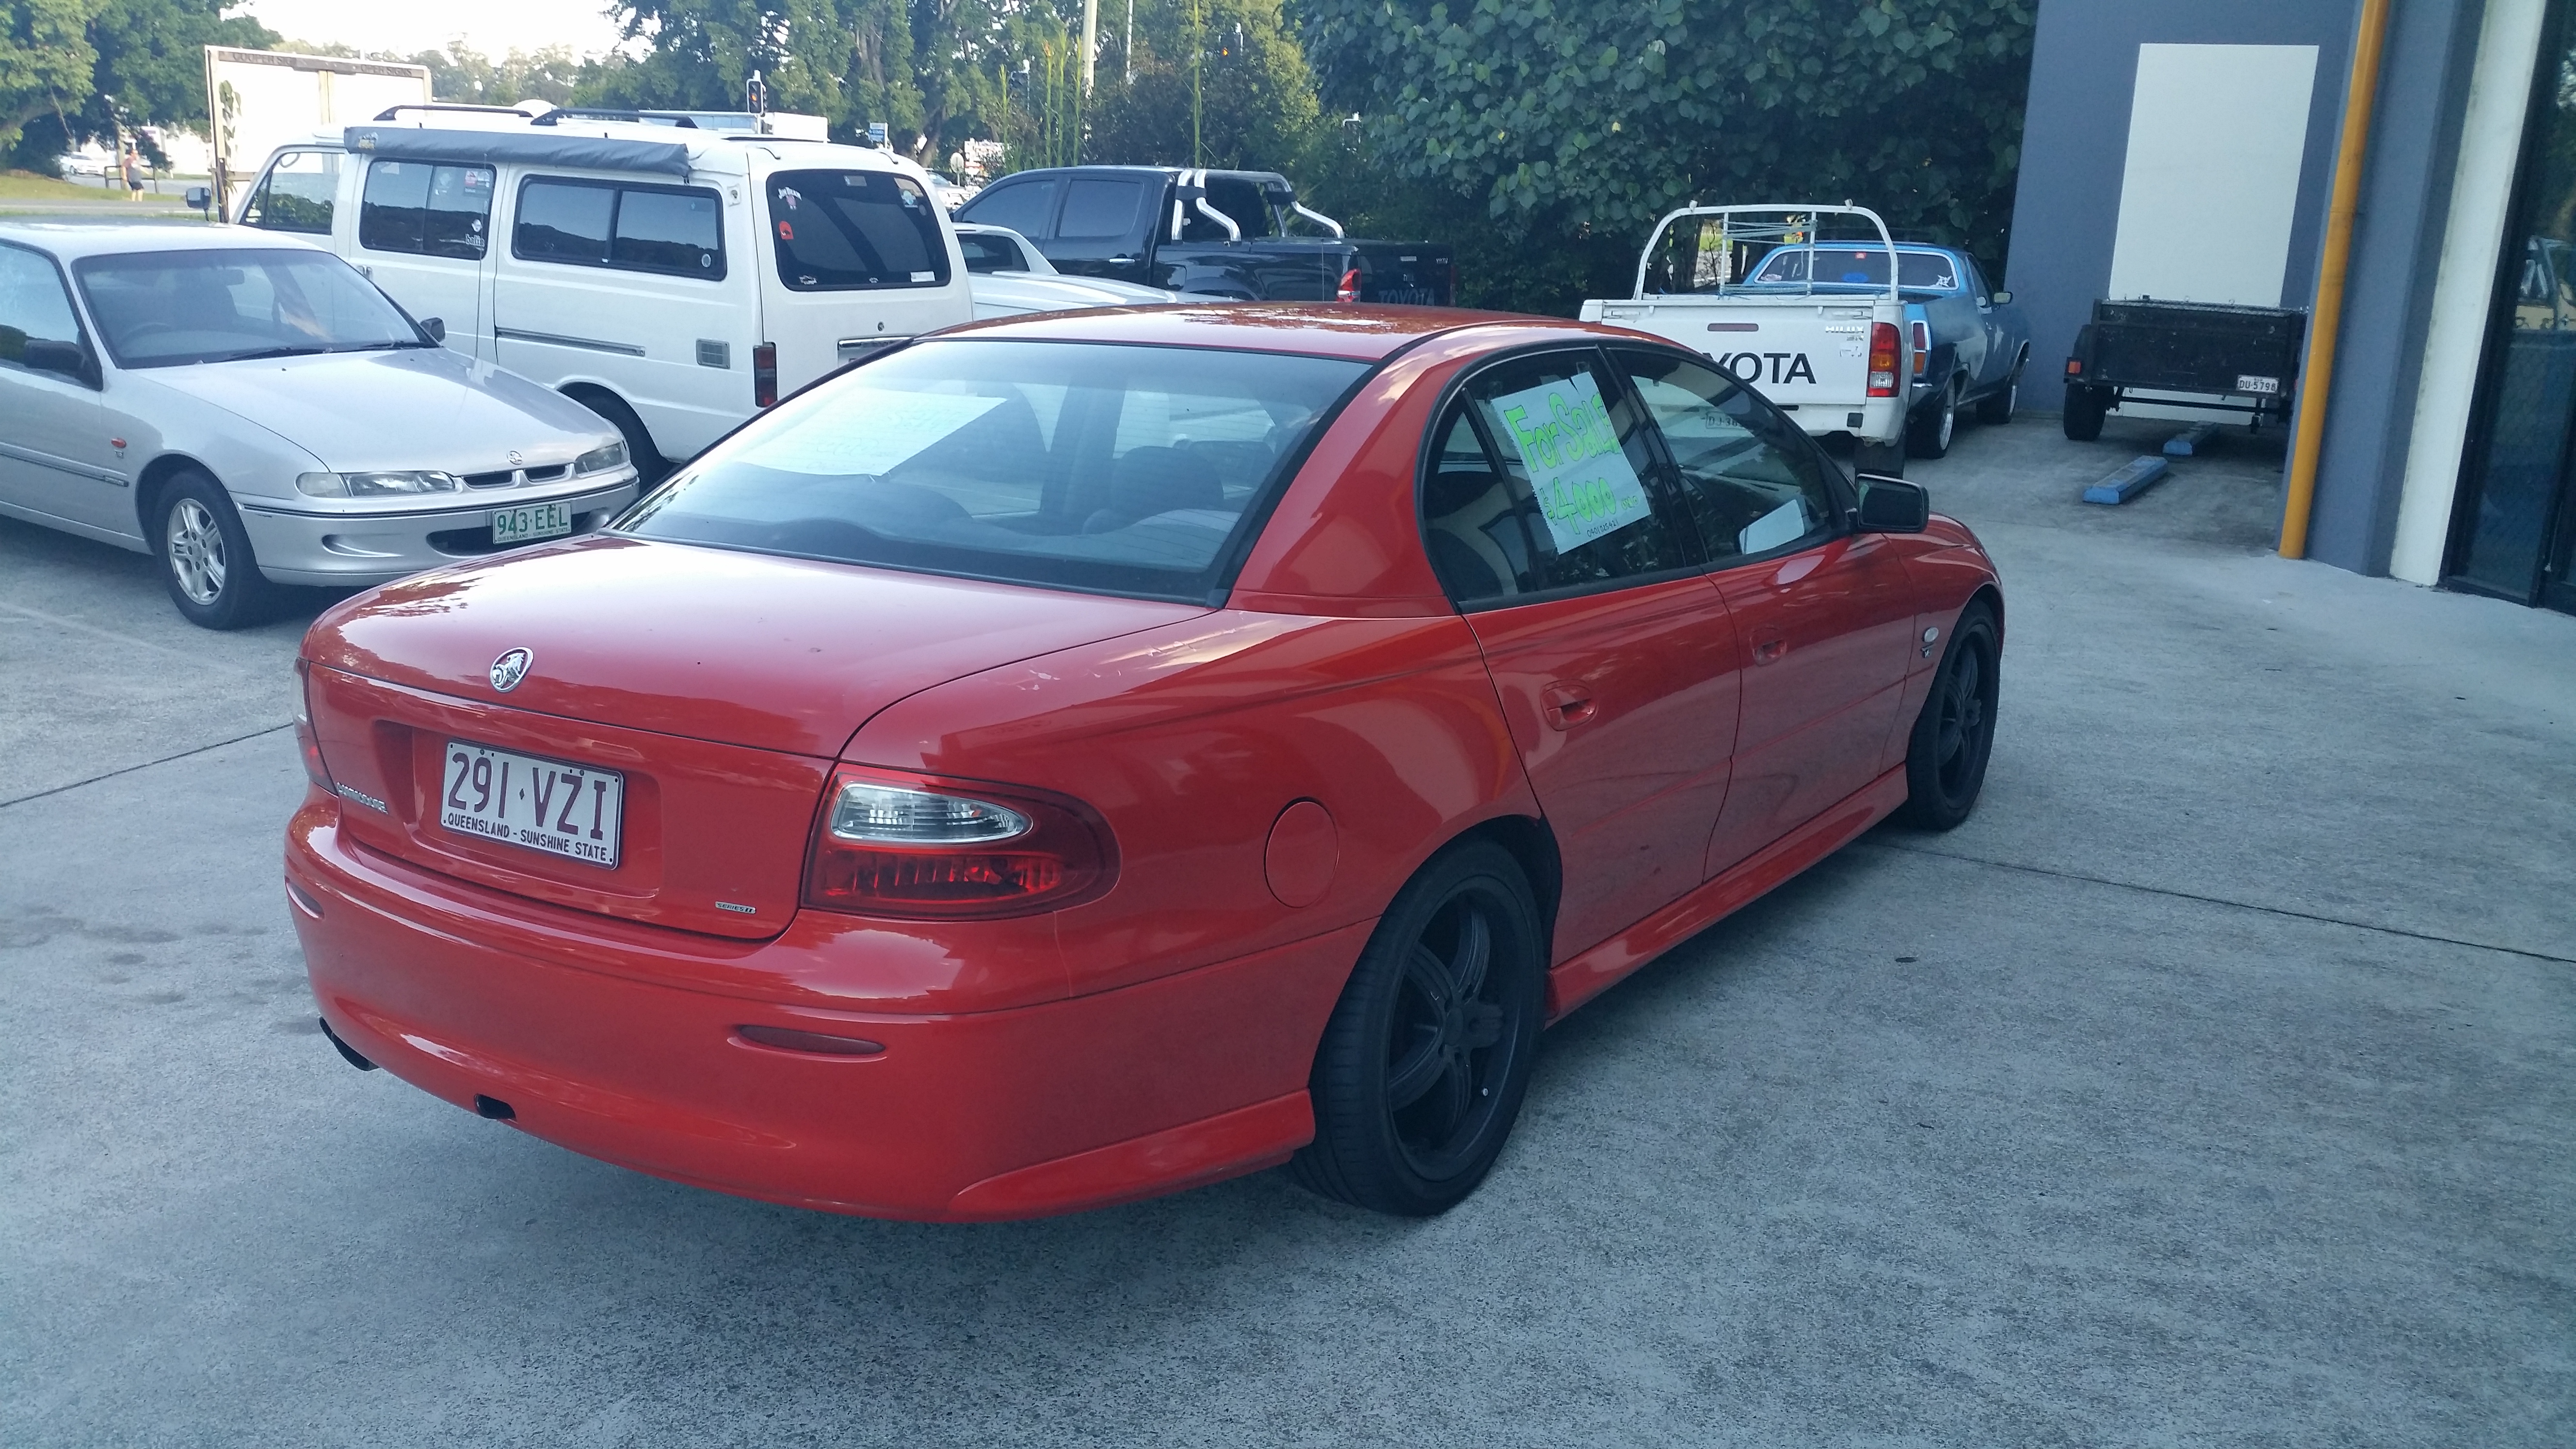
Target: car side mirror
66	359
1892	505
199	198
2002	297
436	327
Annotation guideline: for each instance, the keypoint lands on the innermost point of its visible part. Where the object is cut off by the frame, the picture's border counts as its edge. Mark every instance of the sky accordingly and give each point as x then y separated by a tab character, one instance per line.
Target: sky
404	27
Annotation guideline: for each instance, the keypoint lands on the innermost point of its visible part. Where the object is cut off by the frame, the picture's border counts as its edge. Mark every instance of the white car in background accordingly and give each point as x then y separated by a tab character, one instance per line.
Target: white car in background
1010	277
252	411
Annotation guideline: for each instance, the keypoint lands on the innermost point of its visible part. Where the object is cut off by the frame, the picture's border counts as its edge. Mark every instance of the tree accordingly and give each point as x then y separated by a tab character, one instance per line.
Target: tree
148	55
1218	83
46	60
465	75
1589	119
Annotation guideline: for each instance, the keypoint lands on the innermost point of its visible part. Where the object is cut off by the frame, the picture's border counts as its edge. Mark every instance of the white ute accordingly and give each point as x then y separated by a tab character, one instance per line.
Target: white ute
674	280
1833	354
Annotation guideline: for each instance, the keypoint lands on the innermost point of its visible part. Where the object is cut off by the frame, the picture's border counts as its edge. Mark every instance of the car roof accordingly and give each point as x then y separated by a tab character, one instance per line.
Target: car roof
1319	329
71	240
714	151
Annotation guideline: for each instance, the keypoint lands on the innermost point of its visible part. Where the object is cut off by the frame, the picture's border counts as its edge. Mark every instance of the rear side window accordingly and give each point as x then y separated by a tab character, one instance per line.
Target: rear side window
839	231
1026	207
297	194
432	210
1098	210
674	230
1539	484
986	252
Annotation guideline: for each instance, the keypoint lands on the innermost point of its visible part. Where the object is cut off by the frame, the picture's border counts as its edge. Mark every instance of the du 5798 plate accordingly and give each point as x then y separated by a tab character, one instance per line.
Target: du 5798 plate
562	809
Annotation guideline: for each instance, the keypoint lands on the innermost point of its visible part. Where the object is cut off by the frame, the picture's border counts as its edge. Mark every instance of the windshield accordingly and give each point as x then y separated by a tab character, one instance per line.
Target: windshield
1116	469
168	309
1926	271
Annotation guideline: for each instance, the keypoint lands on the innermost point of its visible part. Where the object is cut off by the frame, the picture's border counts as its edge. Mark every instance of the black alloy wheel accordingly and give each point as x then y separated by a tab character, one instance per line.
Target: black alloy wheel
1945	761
1423	1065
1929	431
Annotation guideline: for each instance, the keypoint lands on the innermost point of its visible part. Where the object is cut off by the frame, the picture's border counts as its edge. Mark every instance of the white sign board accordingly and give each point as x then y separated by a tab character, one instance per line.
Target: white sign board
1582	478
259	100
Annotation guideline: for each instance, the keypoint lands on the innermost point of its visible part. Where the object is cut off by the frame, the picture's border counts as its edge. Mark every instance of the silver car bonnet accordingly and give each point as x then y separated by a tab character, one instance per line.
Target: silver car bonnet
396	408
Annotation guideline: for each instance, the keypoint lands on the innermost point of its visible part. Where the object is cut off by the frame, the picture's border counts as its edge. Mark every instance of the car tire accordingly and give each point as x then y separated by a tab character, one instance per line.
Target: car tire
1996	408
1929	431
205	555
650	466
2085	408
1945	759
1396	1127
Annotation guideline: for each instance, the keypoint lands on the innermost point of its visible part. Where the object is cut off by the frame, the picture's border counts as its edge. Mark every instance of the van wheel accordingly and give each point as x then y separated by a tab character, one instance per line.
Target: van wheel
650	467
1421	1070
205	555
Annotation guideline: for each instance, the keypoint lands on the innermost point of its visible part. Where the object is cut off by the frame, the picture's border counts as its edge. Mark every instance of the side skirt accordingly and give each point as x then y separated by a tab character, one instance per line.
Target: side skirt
1596	970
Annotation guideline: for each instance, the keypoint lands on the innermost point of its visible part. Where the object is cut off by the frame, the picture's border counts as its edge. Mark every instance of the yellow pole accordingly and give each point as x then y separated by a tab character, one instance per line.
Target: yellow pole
2316	380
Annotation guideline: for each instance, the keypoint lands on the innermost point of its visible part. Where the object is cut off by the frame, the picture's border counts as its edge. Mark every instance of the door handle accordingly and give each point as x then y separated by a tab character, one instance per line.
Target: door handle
1567	705
1770	650
1122	261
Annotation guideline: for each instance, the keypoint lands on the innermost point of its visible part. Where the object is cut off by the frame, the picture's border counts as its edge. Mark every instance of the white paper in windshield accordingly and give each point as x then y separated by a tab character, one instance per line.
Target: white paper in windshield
1576	467
864	430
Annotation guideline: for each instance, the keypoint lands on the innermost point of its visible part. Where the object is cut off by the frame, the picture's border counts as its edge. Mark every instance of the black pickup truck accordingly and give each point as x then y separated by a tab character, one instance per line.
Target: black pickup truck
1211	233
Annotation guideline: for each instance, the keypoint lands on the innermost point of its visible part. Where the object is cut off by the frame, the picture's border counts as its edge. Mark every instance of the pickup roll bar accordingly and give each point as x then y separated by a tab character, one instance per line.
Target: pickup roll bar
1789	224
1193	190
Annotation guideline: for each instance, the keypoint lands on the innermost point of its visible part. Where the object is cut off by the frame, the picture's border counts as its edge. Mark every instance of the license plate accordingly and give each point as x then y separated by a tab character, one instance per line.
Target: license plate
530	523
2259	386
569	810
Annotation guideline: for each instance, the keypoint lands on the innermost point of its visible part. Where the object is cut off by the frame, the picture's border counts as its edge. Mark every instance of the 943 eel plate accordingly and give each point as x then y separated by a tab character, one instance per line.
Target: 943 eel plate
575	811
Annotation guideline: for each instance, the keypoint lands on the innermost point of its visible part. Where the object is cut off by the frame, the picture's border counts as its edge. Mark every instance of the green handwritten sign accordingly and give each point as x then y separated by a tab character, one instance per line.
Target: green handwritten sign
1584	484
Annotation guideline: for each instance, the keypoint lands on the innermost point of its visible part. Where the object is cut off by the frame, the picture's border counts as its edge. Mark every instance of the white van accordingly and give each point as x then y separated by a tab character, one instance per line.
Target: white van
672	280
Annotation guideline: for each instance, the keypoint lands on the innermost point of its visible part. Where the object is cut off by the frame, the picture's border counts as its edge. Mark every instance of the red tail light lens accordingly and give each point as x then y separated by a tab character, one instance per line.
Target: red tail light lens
764	375
1882	359
913	847
2074	367
307	742
1922	346
1349	290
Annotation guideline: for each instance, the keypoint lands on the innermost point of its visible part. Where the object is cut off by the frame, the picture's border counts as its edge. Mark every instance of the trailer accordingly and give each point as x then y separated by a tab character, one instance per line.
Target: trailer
2214	357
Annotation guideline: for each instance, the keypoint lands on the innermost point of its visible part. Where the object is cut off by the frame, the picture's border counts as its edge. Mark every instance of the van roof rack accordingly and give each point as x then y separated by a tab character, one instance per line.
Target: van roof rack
389	112
602	113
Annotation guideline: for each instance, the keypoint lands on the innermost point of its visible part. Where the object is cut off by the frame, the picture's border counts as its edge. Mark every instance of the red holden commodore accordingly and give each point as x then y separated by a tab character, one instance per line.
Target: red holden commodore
1068	760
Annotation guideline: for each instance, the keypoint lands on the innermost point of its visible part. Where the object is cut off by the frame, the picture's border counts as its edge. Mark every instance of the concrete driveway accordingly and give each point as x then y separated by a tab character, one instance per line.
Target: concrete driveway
2212	1084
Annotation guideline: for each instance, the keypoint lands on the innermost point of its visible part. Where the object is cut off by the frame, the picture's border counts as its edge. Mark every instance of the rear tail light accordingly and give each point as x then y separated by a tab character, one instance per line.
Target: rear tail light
308	743
1922	346
1882	359
894	844
764	375
1349	290
2074	367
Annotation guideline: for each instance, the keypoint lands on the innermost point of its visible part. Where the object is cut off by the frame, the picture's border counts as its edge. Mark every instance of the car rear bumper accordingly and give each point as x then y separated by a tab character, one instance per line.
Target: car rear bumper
360	549
1053	1108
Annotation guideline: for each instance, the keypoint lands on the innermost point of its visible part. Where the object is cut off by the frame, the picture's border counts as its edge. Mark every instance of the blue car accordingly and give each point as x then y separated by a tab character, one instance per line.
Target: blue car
1968	342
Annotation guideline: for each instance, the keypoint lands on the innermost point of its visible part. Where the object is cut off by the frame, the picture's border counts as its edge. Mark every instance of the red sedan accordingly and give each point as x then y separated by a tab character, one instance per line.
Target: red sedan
1069	760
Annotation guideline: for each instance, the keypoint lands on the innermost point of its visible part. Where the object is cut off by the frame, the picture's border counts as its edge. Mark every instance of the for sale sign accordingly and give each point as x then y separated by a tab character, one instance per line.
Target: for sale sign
1581	475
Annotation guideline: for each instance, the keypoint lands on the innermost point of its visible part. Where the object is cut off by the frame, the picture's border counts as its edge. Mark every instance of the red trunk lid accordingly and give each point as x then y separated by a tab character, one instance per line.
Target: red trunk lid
718	684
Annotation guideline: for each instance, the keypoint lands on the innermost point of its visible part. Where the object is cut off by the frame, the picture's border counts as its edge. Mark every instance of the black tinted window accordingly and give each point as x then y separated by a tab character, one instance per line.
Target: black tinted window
1752	481
1026	207
1101	210
563	222
988	253
412	206
1540	483
841	230
669	231
1121	469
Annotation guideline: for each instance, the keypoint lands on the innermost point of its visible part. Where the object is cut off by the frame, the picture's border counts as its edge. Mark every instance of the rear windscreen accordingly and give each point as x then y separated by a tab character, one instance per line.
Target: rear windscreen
1111	468
1865	266
844	230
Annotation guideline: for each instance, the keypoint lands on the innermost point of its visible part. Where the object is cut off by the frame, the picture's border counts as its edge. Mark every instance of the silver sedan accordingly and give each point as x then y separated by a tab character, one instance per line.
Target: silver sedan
261	414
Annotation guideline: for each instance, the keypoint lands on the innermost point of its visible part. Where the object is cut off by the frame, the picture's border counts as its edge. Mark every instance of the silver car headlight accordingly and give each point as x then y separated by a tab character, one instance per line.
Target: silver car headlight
600	460
375	485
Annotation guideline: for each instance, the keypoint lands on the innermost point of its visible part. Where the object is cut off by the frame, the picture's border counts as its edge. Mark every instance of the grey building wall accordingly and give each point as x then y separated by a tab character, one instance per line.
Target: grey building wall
2075	141
2424	74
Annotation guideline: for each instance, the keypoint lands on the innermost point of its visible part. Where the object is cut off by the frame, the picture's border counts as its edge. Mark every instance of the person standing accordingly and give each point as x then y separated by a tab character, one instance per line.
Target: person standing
133	175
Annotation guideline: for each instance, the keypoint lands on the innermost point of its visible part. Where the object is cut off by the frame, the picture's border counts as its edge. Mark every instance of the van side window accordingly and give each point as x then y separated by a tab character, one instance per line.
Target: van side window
296	194
431	210
838	231
675	230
